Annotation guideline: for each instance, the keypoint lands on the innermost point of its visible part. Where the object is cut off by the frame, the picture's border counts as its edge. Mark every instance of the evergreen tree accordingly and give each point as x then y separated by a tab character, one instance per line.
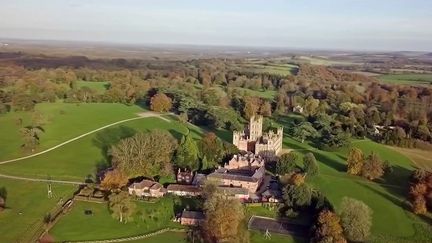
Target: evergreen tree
187	153
310	165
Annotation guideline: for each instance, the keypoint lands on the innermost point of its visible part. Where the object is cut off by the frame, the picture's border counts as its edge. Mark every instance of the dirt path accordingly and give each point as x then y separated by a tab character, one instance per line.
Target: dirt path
140	116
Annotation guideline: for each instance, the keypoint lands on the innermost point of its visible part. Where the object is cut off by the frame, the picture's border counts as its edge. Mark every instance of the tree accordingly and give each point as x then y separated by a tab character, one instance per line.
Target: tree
114	179
287	163
121	206
31	137
186	155
160	103
328	228
297	196
251	106
212	149
373	167
225	218
356	218
145	154
419	205
310	165
266	109
304	131
355	161
311	106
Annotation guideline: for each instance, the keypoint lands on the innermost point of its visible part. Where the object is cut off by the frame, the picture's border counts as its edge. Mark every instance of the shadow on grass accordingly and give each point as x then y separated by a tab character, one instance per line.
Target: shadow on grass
394	199
110	136
325	159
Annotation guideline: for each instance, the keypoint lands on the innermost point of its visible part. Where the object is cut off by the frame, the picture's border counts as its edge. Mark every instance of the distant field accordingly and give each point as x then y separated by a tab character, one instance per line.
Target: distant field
412	79
62	121
27	203
266	94
100	87
315	60
272	68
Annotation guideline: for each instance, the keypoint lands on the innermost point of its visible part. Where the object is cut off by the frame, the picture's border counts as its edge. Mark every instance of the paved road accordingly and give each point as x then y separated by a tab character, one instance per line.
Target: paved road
141	116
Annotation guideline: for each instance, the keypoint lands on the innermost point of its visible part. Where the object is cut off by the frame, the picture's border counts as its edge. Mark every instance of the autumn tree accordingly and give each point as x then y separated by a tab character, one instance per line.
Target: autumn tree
328	228
31	137
310	165
121	206
145	154
212	149
113	180
251	108
310	106
287	163
373	167
186	155
224	218
355	161
421	191
160	103
356	218
265	109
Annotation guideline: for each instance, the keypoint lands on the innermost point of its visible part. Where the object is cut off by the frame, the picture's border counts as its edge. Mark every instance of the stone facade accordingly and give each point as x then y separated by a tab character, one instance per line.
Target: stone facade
192	218
252	139
248	161
147	188
232	179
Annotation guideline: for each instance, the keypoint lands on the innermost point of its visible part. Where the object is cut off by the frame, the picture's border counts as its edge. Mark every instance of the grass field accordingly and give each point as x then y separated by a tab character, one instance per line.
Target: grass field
82	157
420	158
62	121
75	225
266	94
272	68
27	203
99	87
411	79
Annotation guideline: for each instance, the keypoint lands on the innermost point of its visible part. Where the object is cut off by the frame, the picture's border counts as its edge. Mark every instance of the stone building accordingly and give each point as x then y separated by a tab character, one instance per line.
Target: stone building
247	161
252	139
192	218
147	188
250	180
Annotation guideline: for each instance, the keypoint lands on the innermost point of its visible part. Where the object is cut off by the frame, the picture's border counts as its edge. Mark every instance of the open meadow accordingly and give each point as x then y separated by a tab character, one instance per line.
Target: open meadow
60	122
26	205
408	79
74	161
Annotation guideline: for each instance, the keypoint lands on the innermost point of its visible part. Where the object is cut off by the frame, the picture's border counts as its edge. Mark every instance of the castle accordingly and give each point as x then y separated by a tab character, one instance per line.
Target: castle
252	139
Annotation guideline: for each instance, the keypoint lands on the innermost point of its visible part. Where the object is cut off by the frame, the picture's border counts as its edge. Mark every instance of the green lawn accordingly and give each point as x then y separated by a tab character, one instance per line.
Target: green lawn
101	225
168	237
76	160
62	121
27	203
258	237
272	68
266	94
386	197
99	87
412	79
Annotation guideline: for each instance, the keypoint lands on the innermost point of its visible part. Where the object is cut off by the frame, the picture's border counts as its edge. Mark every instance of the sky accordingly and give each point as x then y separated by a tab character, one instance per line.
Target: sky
315	24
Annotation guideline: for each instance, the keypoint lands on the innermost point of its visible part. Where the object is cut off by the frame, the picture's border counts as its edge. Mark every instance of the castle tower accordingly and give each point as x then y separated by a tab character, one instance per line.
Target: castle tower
255	127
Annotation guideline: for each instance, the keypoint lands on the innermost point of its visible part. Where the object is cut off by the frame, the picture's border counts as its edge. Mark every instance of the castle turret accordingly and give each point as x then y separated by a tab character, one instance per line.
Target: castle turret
255	127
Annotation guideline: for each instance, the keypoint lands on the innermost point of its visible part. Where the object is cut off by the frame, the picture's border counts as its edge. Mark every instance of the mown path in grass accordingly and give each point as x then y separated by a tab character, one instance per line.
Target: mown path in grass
60	121
141	115
78	159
